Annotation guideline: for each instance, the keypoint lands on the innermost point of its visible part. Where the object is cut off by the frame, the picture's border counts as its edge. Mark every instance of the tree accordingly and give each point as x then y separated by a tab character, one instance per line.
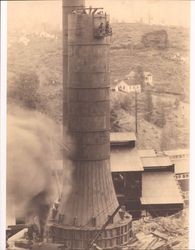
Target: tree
114	122
160	119
126	103
25	90
169	137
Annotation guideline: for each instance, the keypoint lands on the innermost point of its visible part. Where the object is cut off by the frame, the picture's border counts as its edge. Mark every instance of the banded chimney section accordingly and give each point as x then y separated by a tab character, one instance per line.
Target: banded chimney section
92	200
68	6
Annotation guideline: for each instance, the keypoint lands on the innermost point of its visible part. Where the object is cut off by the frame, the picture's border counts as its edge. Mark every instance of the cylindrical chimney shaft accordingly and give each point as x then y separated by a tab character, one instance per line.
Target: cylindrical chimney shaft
68	7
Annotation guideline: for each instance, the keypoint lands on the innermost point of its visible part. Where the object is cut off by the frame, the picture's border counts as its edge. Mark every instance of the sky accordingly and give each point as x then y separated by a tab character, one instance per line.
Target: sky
30	14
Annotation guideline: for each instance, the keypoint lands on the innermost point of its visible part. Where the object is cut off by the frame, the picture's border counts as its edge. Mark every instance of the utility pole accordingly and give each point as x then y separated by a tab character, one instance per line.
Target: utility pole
130	45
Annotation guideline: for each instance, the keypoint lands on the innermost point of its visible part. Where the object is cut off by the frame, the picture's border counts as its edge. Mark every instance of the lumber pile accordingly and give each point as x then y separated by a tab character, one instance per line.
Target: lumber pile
161	233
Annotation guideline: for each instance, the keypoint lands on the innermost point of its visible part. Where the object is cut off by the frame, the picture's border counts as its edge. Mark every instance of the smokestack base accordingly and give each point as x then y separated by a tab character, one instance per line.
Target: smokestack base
76	238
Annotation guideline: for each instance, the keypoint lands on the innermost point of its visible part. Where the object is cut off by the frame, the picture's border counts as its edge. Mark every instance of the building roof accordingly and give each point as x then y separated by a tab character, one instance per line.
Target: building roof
122	82
122	137
156	161
146	73
160	188
125	159
147	152
181	165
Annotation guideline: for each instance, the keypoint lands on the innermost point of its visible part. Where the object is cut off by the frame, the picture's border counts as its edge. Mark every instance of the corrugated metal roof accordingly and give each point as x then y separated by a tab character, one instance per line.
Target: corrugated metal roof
156	161
181	165
160	188
124	160
122	137
147	152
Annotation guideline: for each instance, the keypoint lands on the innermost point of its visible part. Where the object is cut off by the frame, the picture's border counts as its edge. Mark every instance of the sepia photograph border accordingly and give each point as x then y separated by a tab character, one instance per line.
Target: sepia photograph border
3	117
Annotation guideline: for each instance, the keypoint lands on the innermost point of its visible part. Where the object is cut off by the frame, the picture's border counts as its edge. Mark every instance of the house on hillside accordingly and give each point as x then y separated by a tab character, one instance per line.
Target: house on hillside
122	86
135	88
127	87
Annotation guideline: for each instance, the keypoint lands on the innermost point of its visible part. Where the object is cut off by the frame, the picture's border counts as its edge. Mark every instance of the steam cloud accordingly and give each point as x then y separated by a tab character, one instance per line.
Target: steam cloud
30	184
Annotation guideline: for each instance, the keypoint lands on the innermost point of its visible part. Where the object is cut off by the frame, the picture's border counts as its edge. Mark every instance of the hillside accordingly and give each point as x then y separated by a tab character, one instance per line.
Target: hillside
122	32
43	56
168	73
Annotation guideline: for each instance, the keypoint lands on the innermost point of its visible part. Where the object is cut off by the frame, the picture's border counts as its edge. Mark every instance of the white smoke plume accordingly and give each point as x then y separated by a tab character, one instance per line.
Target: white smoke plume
30	150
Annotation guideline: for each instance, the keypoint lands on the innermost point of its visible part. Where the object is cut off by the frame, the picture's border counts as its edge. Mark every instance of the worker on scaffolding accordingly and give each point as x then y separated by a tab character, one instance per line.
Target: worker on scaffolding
101	29
108	29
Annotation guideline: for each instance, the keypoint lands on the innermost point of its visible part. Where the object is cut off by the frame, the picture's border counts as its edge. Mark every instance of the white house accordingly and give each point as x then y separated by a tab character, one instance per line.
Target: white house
135	88
148	78
45	34
124	86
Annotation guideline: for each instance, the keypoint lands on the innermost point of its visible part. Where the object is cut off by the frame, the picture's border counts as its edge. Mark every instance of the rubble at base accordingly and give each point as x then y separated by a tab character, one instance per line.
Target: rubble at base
161	233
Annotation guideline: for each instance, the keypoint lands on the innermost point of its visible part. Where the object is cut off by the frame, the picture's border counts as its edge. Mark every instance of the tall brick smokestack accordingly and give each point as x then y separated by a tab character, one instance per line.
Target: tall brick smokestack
92	200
